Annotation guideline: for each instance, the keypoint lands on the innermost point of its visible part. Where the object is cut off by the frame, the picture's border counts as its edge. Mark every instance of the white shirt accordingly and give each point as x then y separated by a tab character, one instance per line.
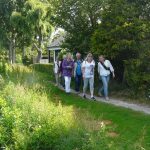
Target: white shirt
88	69
56	67
102	71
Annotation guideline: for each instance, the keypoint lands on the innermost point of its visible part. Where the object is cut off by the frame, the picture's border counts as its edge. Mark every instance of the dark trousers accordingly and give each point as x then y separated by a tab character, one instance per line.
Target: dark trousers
78	80
62	80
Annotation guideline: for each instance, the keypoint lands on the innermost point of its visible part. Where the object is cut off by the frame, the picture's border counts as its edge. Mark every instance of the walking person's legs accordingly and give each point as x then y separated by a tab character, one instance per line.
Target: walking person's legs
91	81
67	84
105	80
101	87
63	81
78	79
76	83
79	83
86	80
57	79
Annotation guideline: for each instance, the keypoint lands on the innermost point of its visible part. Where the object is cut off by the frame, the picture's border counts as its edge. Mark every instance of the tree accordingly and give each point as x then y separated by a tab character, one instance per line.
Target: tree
79	18
22	21
121	33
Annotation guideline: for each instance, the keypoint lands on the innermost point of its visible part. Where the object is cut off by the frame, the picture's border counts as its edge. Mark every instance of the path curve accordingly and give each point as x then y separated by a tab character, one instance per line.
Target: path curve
132	106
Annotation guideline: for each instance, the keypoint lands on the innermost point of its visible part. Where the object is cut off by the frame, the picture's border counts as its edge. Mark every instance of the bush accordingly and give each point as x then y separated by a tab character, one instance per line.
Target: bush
30	120
27	61
45	68
137	75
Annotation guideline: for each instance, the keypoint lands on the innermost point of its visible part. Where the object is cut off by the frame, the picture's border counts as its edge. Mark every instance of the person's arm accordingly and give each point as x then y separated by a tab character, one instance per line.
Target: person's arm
75	67
98	68
112	69
64	66
83	69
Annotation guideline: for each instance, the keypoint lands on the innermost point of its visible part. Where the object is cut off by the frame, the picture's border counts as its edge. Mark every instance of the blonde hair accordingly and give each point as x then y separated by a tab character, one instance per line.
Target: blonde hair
89	54
68	55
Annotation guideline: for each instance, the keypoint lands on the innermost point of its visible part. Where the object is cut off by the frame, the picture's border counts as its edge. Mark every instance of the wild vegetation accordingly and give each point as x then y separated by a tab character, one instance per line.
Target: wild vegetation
119	29
33	116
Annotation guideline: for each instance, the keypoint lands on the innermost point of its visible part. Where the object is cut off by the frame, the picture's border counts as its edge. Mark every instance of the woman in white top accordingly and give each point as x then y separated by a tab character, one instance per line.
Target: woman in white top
104	69
88	75
56	71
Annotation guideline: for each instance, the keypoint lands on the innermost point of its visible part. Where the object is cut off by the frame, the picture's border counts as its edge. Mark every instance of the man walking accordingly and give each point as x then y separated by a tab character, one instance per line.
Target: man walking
78	72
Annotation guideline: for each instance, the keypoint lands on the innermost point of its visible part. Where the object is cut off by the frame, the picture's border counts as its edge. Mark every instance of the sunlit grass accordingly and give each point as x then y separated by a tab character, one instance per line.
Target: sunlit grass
35	115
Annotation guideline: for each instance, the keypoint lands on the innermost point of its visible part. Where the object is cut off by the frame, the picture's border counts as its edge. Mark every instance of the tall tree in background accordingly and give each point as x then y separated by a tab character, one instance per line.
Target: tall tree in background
22	23
79	18
122	31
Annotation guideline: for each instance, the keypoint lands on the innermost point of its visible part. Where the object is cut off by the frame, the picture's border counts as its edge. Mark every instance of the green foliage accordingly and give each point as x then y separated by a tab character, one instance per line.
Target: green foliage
27	61
79	18
138	75
123	36
46	68
21	23
30	119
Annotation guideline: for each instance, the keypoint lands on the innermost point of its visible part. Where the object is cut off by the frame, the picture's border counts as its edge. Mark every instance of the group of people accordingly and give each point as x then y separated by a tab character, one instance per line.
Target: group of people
83	71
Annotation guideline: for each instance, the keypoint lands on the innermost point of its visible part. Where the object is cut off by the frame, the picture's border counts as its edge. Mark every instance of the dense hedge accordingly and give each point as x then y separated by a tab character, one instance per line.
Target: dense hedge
137	75
47	68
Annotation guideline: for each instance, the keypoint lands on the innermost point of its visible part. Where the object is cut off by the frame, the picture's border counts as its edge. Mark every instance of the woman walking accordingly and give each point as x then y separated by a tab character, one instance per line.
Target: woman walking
68	66
104	69
88	75
56	71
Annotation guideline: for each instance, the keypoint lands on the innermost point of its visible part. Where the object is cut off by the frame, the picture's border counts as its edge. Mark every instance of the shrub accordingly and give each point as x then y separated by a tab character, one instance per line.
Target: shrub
45	68
29	119
137	75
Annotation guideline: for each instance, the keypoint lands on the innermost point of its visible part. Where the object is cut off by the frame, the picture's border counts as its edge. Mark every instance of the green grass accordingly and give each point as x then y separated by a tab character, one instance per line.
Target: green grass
35	115
133	128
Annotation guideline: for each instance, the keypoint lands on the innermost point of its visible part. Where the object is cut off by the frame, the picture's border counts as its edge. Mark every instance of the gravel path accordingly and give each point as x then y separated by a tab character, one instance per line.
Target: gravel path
135	107
120	103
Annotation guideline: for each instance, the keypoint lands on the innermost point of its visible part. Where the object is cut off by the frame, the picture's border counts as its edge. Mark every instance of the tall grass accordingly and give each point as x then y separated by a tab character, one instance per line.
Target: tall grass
29	120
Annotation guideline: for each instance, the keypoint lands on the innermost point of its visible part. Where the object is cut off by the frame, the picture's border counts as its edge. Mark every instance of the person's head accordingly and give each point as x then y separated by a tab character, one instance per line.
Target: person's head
69	56
89	57
101	58
78	56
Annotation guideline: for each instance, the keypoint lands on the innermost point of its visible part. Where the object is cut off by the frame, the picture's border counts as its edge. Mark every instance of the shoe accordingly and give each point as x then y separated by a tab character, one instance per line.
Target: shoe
68	93
107	98
100	95
84	96
93	98
77	91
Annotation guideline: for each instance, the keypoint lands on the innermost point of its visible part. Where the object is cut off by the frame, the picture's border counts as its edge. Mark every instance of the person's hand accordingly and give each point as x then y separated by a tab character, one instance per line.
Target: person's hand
83	77
69	67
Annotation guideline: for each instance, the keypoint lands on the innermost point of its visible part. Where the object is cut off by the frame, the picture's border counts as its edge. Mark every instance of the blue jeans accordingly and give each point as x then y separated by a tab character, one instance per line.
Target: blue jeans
104	88
78	79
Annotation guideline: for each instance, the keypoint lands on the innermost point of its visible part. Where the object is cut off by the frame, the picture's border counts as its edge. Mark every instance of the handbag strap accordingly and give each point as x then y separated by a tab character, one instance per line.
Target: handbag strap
107	68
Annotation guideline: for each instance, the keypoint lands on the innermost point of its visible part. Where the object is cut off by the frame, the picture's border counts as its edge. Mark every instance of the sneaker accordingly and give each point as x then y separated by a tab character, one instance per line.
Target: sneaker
100	95
84	96
77	92
107	98
93	98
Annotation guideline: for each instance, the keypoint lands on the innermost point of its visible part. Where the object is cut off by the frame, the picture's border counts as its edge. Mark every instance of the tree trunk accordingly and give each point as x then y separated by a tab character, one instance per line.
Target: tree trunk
39	56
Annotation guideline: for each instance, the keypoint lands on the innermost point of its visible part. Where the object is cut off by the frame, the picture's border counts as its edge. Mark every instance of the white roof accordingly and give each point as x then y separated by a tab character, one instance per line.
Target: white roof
56	41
